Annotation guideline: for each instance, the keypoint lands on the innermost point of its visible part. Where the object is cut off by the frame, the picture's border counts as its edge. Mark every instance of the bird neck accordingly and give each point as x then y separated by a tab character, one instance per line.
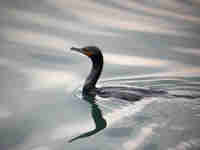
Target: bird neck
97	66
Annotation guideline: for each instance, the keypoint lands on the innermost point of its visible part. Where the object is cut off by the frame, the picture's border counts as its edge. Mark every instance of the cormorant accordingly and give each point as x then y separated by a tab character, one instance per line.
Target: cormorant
125	93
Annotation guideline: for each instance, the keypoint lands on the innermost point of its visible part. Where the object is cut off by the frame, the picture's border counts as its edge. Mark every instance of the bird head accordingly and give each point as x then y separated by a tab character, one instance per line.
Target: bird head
90	51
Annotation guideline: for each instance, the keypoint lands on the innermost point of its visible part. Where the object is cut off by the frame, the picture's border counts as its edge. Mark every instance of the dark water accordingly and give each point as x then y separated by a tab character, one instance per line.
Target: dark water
146	44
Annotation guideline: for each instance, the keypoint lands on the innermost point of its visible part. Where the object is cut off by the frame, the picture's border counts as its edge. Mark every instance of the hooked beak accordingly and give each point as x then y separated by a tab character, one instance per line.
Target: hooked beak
81	50
76	49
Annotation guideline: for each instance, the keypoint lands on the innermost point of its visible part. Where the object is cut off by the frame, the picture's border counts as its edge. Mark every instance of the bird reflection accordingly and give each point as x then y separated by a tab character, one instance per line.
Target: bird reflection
100	122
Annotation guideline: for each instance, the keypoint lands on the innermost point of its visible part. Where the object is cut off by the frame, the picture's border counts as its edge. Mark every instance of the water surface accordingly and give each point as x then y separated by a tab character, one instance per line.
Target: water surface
145	44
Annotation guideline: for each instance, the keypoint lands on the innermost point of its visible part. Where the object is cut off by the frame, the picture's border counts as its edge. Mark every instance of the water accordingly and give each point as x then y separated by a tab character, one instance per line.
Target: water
145	44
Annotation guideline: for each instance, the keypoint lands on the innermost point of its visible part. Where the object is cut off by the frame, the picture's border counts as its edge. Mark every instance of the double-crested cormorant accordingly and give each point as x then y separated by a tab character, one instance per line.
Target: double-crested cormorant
125	93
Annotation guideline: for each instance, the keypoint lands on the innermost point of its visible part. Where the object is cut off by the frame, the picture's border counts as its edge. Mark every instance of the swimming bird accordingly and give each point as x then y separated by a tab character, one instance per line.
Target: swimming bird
90	90
120	92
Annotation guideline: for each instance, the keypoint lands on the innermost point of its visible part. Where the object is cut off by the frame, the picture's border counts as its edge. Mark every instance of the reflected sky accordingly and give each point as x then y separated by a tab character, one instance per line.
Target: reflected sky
39	75
145	132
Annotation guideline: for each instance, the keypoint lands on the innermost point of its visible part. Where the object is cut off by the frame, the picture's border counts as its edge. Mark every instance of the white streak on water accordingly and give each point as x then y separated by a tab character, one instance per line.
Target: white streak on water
105	16
4	113
47	79
160	11
118	114
35	38
140	139
186	145
192	51
41	148
40	79
177	70
56	23
126	60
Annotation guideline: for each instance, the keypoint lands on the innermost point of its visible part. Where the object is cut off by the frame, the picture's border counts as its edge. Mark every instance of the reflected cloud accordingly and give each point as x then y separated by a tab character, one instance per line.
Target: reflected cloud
46	21
162	12
192	51
65	130
126	60
47	79
35	39
177	70
7	62
185	70
190	144
119	132
4	113
40	78
117	115
104	16
176	128
140	139
41	148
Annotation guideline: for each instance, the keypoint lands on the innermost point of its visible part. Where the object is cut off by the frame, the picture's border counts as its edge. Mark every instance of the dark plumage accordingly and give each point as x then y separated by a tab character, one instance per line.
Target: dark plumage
125	93
89	88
